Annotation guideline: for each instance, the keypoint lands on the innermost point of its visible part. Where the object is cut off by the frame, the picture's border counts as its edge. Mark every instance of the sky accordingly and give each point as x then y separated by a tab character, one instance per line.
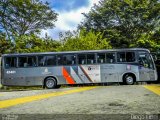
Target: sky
70	15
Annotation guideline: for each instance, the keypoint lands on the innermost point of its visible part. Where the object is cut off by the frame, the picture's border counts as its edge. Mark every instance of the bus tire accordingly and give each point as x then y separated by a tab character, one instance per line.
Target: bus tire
129	79
50	83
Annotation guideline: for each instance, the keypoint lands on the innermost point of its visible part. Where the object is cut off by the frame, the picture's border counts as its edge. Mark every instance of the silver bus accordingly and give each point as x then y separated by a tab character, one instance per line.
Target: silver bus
52	69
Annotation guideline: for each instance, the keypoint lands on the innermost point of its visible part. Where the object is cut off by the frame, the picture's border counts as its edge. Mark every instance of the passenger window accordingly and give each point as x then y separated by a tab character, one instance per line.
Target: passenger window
130	57
110	57
69	59
82	59
41	60
22	62
10	62
32	62
51	60
101	57
121	57
60	59
91	58
125	57
27	61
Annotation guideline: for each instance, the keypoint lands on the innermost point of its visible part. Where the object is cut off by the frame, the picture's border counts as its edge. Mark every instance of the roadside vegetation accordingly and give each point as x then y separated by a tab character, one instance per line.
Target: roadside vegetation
109	24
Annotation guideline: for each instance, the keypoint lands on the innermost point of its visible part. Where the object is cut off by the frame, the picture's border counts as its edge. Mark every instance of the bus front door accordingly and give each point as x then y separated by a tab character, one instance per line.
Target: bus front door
146	67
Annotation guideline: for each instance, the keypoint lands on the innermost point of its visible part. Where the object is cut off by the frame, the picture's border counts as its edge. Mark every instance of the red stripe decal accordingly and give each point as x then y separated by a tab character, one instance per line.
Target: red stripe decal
67	77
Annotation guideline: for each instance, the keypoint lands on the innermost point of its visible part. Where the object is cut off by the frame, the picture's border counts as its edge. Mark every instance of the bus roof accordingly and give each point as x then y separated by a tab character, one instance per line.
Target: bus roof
81	51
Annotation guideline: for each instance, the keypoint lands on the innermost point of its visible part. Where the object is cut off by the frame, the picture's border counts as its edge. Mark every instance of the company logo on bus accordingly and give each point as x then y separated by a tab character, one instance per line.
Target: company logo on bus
46	71
92	68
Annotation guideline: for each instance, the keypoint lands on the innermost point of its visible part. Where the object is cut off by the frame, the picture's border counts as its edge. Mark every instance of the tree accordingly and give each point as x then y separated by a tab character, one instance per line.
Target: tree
25	16
5	45
82	40
33	43
123	21
147	41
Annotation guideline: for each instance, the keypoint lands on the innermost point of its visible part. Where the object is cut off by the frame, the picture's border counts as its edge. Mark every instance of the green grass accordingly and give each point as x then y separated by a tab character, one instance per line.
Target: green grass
19	88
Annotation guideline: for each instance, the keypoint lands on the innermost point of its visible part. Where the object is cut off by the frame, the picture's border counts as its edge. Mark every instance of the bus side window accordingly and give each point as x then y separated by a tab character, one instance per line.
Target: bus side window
41	60
51	60
121	57
130	57
82	62
10	62
125	56
22	62
91	58
101	57
110	57
60	60
32	61
69	59
82	59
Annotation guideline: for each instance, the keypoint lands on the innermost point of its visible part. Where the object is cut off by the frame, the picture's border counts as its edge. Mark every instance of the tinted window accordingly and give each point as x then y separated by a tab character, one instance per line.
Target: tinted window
82	59
101	57
41	60
125	56
51	60
29	61
22	62
91	58
121	57
110	57
32	61
69	59
130	56
10	62
60	59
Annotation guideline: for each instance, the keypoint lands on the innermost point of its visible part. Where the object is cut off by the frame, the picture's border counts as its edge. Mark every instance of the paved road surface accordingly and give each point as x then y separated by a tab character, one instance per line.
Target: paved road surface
99	101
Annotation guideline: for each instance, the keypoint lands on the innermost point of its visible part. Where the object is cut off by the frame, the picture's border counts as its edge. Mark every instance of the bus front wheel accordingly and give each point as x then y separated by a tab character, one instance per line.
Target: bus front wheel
129	79
50	83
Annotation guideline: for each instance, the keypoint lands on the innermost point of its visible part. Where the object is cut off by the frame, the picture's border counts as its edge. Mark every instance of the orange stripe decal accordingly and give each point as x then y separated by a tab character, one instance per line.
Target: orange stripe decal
67	77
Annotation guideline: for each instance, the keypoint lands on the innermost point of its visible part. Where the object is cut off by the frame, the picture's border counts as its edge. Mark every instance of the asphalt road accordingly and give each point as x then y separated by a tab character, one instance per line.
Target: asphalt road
85	102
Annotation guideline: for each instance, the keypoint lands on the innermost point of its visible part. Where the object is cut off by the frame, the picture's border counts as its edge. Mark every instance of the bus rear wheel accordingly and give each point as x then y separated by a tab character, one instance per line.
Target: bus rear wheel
50	83
129	79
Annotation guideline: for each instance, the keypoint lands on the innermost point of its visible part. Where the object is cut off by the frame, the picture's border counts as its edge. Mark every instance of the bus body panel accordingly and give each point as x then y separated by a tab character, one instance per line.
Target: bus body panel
84	74
76	74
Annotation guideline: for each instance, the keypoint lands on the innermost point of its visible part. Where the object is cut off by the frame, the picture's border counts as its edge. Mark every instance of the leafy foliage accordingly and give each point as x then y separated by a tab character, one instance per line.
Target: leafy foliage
147	41
124	22
32	43
110	24
5	45
25	16
83	40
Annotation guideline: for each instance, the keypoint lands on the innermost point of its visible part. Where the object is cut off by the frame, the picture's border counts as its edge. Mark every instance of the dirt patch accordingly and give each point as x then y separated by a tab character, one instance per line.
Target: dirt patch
146	94
115	104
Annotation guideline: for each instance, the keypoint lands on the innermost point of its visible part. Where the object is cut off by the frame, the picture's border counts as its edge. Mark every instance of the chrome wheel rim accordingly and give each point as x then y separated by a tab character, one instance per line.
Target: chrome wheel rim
129	80
50	83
